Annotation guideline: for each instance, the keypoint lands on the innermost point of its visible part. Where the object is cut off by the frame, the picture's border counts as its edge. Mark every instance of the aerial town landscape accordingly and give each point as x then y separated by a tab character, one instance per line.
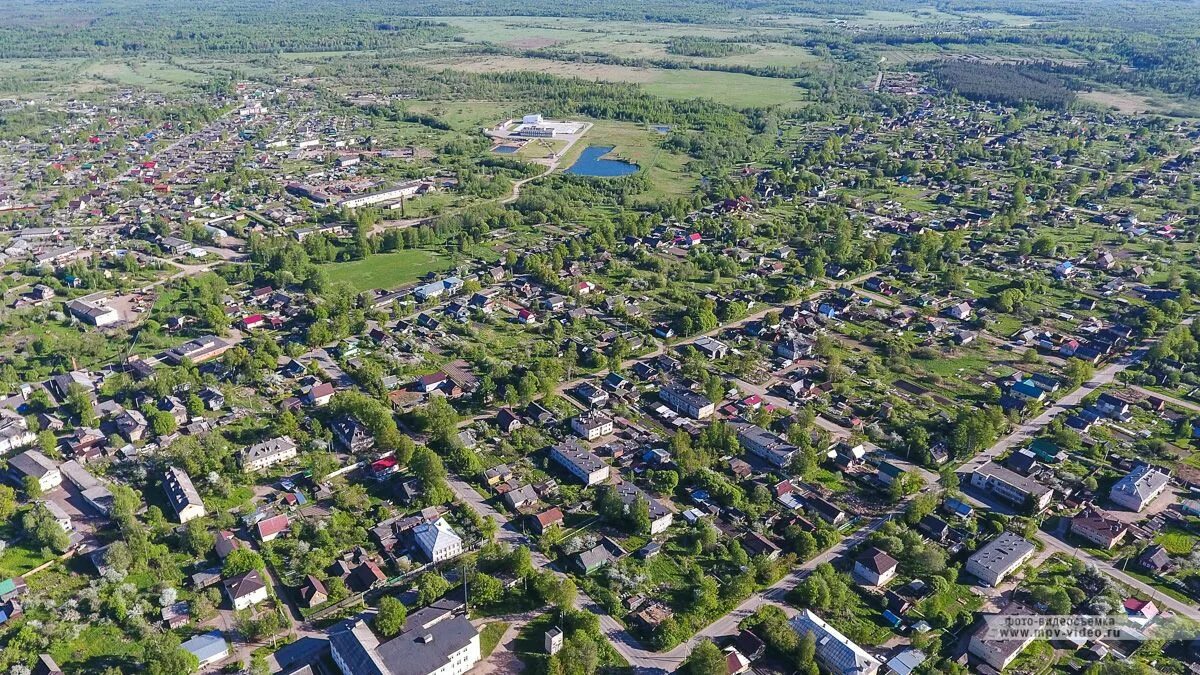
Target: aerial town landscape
386	338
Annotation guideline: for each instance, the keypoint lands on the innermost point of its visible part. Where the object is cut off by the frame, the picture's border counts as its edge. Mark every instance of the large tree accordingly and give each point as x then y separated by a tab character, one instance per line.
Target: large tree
389	621
705	659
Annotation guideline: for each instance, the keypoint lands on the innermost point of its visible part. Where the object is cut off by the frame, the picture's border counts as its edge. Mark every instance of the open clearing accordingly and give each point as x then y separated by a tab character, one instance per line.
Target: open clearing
387	270
637	144
732	89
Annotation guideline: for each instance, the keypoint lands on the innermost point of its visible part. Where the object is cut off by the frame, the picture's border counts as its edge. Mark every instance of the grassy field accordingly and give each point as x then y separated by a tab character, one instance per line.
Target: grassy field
490	637
387	270
541	148
732	89
468	115
152	75
1177	542
19	559
637	144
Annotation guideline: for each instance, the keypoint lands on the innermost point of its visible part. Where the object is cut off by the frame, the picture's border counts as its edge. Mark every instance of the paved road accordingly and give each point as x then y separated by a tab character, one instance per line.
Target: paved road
1162	599
1031	428
1169	399
1055	544
642	659
551	164
772	595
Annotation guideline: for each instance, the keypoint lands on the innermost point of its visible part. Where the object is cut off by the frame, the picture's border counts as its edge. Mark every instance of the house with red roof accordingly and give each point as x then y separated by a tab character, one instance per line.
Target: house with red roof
1141	609
547	519
253	321
272	527
382	468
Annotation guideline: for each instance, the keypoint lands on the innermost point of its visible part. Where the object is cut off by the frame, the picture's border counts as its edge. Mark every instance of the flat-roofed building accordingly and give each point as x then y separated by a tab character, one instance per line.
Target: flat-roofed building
999	558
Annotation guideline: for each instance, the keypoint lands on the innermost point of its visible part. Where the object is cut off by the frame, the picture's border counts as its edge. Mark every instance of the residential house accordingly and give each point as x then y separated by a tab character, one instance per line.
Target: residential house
546	519
713	349
319	394
268	453
755	545
352	435
1155	559
660	516
507	420
33	464
225	543
437	540
208	648
592	425
246	590
14	431
1011	486
520	497
313	592
686	402
270	528
434	641
1097	527
875	568
764	444
999	653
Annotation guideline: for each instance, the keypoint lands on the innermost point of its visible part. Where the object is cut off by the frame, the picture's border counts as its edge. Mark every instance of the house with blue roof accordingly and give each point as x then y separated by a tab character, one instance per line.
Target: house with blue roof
1028	390
208	648
958	508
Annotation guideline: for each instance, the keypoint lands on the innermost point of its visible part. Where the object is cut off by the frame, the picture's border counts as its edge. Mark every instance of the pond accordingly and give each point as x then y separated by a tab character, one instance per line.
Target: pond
661	128
506	149
592	163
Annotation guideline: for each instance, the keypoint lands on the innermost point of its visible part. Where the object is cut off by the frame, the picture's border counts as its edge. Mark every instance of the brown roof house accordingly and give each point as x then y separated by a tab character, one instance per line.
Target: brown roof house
875	568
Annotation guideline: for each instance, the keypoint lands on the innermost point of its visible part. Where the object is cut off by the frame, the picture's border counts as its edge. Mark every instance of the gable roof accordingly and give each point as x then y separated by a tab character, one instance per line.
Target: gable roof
241	586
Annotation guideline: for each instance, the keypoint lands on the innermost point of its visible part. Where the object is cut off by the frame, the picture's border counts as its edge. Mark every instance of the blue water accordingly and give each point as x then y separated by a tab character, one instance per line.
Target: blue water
661	128
592	163
505	149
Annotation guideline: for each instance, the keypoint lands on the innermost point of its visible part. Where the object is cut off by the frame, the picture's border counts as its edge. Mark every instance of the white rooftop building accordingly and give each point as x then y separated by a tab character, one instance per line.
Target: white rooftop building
1139	487
437	540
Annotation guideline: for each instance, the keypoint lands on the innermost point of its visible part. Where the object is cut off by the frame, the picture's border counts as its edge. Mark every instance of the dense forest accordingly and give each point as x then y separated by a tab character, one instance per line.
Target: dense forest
1004	83
706	47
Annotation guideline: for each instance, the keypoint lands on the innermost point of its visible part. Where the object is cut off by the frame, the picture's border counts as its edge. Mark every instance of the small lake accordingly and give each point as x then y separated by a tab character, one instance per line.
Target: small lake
592	163
506	149
661	128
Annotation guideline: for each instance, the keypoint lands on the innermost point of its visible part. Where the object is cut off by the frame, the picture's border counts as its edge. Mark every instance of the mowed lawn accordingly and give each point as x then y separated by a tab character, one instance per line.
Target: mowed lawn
387	270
